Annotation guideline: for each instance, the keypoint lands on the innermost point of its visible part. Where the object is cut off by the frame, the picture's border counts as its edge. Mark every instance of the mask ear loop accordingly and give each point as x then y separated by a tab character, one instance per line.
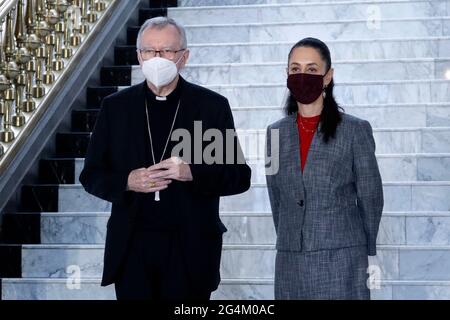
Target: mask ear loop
180	57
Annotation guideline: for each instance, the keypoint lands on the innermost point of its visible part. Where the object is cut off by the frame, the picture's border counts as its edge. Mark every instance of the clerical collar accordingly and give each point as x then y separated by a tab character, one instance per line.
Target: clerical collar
174	96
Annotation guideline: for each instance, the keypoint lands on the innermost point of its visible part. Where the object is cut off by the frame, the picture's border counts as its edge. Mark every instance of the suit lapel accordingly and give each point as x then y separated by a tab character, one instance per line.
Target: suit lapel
310	159
293	155
136	125
293	149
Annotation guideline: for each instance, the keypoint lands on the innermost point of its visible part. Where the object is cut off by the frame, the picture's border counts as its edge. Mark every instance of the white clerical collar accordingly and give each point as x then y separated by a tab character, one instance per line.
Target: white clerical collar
160	98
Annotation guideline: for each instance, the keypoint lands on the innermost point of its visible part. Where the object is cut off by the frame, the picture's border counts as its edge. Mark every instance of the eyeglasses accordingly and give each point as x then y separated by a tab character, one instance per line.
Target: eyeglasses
148	53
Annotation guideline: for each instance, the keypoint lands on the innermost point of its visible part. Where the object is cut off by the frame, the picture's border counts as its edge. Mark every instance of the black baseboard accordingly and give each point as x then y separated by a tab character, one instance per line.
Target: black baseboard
40	198
11	258
145	14
57	171
163	3
22	228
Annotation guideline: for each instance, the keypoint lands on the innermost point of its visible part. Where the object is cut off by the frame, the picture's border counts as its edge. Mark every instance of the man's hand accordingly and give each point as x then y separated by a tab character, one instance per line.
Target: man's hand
140	180
173	169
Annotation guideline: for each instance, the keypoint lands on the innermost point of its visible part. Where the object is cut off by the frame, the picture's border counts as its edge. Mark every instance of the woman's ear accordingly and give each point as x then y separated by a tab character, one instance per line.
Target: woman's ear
328	77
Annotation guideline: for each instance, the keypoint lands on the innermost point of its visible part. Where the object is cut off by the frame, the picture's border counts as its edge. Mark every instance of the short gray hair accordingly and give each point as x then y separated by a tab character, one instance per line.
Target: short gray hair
160	23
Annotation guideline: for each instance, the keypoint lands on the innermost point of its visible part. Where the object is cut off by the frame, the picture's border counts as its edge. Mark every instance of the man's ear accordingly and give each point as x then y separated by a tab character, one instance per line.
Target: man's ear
185	58
139	58
328	77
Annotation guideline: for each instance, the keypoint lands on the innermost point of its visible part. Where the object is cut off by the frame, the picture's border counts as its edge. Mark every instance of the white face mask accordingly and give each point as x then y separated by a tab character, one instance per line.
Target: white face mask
159	71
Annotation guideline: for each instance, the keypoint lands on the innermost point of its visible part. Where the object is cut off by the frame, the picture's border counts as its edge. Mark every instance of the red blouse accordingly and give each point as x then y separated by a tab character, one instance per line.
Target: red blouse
307	126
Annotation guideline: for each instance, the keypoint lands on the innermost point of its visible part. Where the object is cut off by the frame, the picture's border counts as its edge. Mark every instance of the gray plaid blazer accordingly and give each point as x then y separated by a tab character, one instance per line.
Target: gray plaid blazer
337	201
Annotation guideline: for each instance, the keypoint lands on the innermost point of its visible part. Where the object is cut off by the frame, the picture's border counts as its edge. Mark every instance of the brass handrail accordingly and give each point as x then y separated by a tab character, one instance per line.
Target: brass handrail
35	57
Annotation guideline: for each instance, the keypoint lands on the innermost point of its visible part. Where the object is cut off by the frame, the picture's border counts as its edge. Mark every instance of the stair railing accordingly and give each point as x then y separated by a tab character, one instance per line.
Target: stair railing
38	41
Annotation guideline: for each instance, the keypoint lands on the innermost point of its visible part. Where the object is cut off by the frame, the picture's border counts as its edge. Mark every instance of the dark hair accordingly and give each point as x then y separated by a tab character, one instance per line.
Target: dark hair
330	117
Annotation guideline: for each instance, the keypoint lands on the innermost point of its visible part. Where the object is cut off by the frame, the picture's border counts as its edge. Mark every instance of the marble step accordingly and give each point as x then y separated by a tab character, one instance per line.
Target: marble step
90	289
42	261
437	112
364	92
229	289
269	72
354	49
203	3
380	116
346	93
323	29
393	167
399	196
395	262
312	11
397	228
402	167
388	141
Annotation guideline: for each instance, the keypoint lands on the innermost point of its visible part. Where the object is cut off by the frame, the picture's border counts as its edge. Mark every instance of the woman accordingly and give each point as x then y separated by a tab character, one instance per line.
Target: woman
327	195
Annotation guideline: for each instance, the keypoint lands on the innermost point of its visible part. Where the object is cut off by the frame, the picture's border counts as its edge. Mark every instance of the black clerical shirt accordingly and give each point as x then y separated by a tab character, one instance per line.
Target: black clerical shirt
159	215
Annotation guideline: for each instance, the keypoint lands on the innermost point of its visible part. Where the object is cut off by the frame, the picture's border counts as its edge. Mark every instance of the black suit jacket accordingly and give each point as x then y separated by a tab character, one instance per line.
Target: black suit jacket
113	152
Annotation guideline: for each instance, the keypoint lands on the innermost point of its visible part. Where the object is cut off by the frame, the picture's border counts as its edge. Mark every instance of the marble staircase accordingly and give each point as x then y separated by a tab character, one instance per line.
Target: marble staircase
393	72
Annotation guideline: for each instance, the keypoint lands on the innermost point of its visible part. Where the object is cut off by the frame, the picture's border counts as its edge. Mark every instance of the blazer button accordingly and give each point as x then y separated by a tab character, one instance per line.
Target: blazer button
300	203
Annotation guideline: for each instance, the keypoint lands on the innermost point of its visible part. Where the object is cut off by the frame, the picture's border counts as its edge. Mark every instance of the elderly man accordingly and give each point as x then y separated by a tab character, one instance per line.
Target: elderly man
164	236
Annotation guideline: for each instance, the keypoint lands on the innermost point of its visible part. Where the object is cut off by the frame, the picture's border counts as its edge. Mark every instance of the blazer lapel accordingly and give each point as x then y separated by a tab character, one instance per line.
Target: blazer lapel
293	141
293	155
310	159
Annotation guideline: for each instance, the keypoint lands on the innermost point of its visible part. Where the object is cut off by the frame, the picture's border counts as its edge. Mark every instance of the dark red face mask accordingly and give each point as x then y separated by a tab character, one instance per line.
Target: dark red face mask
306	88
